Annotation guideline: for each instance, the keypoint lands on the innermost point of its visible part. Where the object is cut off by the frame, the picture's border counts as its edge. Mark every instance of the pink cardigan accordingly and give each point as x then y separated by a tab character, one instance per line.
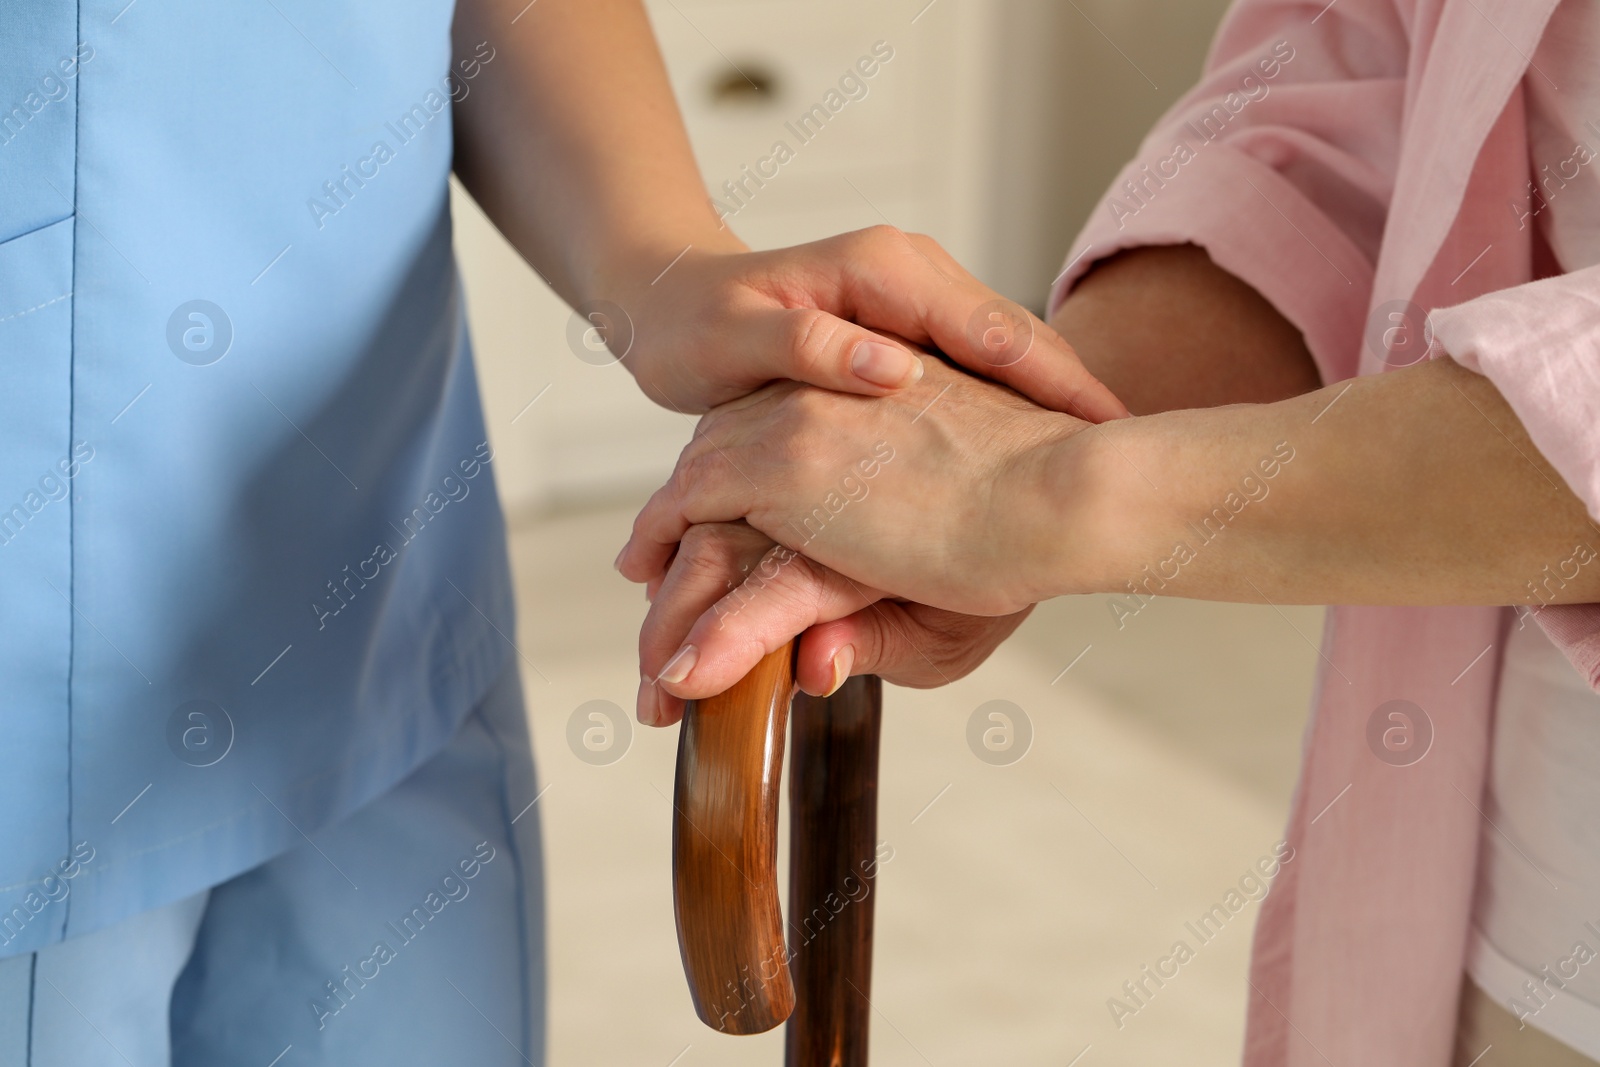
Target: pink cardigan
1346	158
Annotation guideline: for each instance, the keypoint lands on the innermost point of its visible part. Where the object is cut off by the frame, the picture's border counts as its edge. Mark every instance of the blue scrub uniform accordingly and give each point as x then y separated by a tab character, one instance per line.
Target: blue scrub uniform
252	563
408	933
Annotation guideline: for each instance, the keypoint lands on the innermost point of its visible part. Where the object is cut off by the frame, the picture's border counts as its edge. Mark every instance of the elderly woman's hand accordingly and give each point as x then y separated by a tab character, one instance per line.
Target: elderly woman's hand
949	495
936	493
734	595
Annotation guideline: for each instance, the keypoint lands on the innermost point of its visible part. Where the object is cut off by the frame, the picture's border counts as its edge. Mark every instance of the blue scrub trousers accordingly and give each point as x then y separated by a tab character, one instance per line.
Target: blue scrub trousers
411	932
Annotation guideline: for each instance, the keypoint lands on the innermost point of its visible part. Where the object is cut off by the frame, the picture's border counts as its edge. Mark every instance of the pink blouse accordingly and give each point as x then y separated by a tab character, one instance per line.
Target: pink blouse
1360	163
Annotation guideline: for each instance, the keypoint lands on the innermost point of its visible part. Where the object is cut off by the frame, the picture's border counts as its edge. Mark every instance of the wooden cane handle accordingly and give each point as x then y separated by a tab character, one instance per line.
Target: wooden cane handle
725	851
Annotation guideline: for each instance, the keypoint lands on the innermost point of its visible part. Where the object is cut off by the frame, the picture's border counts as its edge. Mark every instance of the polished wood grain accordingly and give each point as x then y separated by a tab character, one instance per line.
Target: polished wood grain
725	850
833	859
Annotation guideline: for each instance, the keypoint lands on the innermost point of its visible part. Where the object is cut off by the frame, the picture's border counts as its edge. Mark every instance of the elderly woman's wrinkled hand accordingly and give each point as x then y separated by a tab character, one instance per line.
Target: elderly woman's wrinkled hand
945	496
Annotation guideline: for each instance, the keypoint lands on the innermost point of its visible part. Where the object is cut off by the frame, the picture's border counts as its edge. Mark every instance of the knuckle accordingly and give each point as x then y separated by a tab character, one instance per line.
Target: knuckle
873	240
720	546
795	451
883	648
948	646
703	426
799	406
702	567
693	471
811	333
782	576
698	542
808	579
962	644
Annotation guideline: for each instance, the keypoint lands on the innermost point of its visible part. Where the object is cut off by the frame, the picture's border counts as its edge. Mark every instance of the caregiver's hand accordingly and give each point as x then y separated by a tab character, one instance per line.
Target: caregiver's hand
936	494
721	322
568	137
733	595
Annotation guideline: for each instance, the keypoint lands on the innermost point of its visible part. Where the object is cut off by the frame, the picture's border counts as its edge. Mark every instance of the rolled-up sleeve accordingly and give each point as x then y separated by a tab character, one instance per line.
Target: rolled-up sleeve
1280	164
1539	344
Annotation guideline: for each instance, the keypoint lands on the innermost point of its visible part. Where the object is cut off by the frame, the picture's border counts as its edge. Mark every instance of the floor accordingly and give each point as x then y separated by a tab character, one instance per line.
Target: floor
1020	898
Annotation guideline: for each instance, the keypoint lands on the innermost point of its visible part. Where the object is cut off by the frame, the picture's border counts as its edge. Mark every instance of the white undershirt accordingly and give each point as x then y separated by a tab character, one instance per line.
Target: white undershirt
1539	856
1536	916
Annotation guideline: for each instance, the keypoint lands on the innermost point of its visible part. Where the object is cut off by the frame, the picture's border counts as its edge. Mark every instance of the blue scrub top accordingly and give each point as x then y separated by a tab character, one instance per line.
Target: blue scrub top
252	562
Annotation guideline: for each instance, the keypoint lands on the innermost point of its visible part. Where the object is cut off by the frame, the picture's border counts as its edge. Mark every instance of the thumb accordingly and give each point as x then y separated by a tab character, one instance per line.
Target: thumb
814	347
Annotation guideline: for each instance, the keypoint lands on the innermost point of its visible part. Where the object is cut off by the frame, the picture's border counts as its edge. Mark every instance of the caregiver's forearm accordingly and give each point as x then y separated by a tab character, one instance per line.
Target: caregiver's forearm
1418	486
1164	327
571	141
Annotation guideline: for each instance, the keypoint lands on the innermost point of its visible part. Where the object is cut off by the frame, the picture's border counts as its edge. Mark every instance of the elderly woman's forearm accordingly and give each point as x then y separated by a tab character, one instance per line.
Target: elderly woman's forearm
1415	487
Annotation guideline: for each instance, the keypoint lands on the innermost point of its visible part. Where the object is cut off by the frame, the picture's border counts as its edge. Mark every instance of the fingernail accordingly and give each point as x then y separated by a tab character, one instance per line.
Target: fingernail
646	710
616	564
843	660
885	365
679	666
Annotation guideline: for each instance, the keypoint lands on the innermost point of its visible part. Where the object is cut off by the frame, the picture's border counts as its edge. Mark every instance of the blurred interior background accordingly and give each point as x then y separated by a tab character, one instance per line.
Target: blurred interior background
1021	897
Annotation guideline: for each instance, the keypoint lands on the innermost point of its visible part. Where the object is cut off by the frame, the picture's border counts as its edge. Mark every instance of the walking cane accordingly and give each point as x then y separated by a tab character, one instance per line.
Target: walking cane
745	977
